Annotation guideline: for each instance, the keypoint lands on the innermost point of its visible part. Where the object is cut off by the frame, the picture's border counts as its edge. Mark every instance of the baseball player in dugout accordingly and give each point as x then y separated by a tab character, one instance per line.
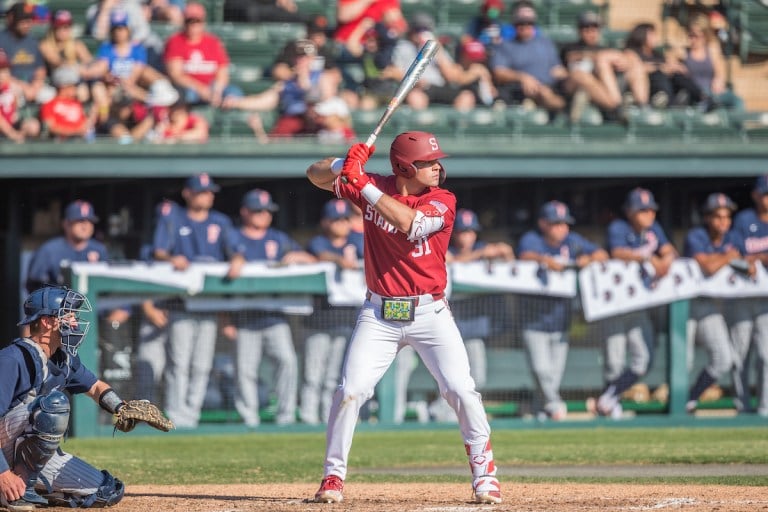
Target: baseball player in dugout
408	220
34	410
547	319
639	238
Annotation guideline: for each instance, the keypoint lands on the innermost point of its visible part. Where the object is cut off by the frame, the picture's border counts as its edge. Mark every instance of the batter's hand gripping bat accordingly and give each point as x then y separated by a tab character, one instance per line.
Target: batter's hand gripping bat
419	64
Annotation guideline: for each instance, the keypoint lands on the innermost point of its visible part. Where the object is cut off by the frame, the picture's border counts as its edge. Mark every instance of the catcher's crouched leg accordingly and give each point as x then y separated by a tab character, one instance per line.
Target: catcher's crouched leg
109	493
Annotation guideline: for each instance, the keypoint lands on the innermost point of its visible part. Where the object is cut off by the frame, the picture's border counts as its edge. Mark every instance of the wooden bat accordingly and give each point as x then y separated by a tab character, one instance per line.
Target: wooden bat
419	64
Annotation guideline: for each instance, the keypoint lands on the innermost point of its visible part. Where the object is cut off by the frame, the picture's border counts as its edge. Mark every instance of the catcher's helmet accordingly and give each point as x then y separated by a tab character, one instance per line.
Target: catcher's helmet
64	304
409	147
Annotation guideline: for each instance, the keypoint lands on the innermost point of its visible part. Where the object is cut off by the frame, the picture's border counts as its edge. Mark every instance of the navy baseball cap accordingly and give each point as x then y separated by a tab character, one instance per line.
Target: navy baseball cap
761	185
716	201
337	209
201	183
258	199
80	210
466	220
640	199
555	212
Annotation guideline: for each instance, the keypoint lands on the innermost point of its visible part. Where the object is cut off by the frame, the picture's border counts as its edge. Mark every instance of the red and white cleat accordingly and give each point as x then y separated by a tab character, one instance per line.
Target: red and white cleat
330	490
486	489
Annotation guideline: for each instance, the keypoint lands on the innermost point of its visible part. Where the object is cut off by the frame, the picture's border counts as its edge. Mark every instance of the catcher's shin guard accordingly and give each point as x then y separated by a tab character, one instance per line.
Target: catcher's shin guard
49	420
485	485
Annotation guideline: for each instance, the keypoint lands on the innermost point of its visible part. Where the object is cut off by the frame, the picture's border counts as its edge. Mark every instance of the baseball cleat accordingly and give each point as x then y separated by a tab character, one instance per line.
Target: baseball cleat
330	490
486	489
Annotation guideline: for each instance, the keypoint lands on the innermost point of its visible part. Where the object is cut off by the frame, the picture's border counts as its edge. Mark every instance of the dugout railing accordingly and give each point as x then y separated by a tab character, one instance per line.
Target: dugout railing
497	292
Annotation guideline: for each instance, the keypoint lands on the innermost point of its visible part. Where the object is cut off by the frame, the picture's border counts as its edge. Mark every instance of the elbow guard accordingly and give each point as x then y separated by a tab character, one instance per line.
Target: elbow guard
423	225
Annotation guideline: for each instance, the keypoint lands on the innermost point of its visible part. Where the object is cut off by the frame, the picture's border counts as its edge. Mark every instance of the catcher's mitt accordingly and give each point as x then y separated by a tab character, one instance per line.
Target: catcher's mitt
132	412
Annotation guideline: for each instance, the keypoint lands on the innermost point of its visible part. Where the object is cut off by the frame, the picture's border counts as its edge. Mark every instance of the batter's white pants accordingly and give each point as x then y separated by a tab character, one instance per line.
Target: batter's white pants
374	345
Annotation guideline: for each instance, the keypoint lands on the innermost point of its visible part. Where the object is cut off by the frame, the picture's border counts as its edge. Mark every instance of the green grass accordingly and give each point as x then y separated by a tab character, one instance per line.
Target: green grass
298	457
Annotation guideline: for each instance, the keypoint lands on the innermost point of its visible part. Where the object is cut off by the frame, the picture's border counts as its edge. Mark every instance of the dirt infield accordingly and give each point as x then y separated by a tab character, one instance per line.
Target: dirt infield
446	498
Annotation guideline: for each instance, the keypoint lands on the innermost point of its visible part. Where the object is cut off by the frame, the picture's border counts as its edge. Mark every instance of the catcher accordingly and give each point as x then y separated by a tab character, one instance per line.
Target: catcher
34	410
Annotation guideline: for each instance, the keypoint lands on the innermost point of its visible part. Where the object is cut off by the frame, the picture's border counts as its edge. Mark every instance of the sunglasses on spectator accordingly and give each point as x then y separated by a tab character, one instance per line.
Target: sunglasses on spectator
189	21
524	23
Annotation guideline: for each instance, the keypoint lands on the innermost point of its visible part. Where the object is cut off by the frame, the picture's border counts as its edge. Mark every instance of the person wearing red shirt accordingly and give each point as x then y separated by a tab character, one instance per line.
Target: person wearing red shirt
11	124
64	116
197	61
408	219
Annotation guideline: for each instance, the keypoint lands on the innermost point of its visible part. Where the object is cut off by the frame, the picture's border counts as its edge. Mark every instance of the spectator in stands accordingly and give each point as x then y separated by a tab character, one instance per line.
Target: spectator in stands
444	81
133	120
197	61
714	246
350	15
705	64
64	117
334	121
638	238
309	84
670	84
258	11
595	70
99	18
472	55
471	311
488	27
266	331
59	47
176	124
329	326
12	125
170	11
548	319
748	318
184	235
23	53
123	62
528	67
380	76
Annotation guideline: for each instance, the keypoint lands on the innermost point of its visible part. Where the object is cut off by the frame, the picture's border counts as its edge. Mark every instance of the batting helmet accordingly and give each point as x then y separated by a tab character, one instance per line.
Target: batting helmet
64	304
409	147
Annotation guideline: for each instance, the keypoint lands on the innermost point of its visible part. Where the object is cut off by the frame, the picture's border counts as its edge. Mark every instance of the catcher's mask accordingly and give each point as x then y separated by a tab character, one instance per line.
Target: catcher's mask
409	147
63	304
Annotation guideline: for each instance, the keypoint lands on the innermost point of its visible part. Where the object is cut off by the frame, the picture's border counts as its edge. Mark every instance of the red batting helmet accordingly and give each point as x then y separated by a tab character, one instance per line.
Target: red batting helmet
409	147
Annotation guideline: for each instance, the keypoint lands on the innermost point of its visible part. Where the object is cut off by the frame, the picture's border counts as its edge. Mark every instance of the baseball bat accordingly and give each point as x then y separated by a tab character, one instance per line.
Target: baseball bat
417	67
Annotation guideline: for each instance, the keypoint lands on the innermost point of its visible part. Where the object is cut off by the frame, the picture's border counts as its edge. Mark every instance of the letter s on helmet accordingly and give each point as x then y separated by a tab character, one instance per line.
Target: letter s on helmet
409	147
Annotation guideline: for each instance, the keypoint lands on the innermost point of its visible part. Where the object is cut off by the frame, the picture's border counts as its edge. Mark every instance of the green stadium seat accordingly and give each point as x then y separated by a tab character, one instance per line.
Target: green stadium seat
751	16
566	12
479	121
458	11
534	122
78	8
698	126
437	119
644	124
364	121
410	7
750	125
235	123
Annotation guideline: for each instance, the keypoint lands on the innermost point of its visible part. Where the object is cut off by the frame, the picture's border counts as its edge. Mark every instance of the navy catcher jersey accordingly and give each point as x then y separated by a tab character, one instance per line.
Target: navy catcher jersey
21	365
272	247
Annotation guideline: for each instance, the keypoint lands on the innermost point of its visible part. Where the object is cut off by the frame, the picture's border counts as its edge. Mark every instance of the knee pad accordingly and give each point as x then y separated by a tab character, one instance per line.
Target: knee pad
49	420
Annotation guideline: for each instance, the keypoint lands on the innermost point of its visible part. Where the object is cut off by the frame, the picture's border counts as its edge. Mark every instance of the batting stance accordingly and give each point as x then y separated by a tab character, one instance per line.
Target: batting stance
408	220
34	411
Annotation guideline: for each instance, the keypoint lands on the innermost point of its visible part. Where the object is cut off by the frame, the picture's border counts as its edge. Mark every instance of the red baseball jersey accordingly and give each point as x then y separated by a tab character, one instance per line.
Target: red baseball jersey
394	265
8	104
374	11
201	60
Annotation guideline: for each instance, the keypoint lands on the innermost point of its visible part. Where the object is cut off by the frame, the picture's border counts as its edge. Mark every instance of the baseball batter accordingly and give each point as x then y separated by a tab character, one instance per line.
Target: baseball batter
713	246
34	411
408	224
748	319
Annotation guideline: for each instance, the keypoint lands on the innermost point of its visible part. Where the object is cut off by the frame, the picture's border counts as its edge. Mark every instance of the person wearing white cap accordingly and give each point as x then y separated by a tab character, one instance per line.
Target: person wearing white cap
335	121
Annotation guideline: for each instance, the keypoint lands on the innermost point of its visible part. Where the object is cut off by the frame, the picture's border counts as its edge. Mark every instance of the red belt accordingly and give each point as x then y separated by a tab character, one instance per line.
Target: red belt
435	297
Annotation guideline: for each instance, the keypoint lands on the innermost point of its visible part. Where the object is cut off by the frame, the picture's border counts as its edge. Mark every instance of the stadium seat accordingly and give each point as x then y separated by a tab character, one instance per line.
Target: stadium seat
480	121
750	125
698	126
437	119
234	123
78	8
364	121
535	122
644	124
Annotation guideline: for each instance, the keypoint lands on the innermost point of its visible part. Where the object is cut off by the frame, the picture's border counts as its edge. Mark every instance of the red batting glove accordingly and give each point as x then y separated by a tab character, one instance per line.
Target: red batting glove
353	171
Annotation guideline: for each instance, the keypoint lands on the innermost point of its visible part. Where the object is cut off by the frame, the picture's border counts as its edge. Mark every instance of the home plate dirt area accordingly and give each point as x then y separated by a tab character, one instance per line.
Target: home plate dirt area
429	497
